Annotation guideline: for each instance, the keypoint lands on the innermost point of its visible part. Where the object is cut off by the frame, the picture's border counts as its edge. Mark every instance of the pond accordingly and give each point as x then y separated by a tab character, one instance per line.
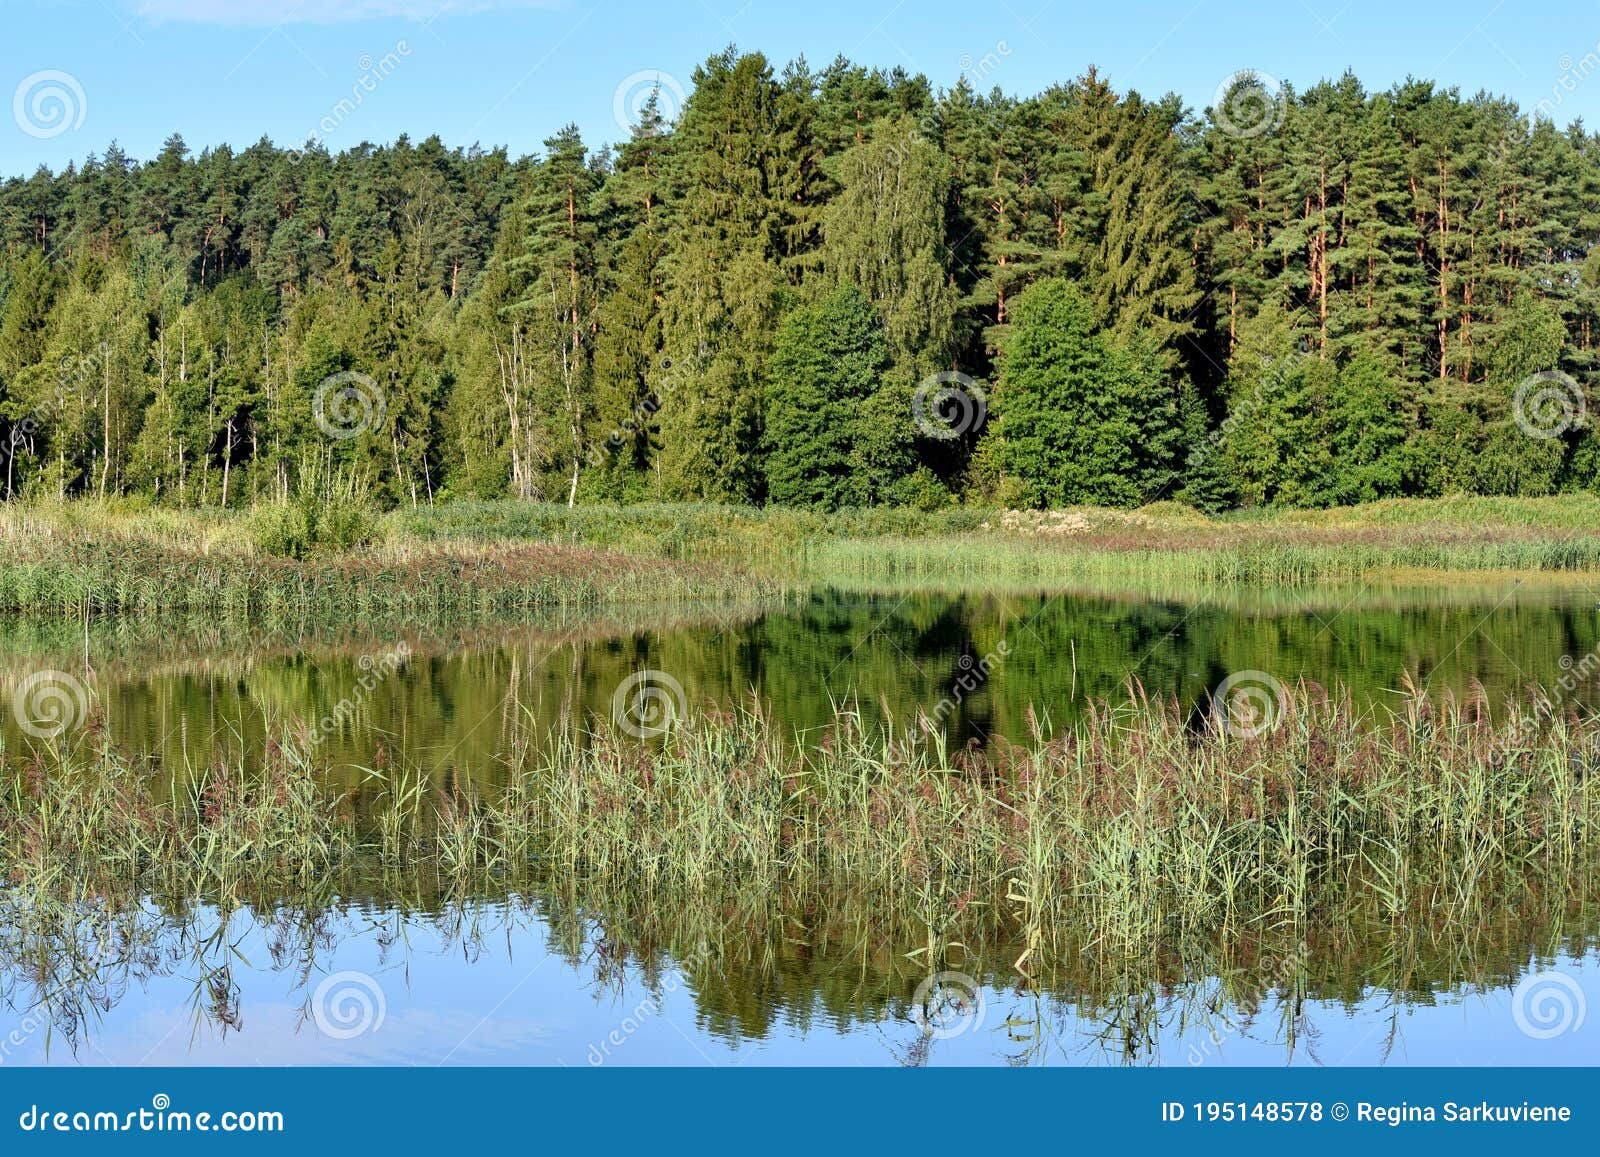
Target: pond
396	969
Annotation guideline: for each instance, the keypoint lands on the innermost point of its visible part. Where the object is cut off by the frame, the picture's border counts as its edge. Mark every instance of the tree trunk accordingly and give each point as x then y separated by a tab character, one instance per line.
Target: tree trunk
227	463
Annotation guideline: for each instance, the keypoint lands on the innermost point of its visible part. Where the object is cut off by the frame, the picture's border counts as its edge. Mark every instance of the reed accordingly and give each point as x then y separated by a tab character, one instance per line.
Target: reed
1235	555
1136	819
74	579
1140	868
475	558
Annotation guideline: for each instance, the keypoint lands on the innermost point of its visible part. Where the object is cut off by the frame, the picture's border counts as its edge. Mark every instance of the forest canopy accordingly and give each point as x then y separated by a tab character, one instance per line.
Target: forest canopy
829	288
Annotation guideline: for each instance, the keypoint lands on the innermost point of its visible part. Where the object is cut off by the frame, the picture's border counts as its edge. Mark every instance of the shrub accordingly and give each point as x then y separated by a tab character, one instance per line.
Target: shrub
328	511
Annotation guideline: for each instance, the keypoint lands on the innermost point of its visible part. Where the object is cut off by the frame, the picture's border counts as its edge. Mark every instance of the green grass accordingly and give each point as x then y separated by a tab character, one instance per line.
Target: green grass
106	558
1574	512
1103	547
481	558
772	537
1171	545
1260	560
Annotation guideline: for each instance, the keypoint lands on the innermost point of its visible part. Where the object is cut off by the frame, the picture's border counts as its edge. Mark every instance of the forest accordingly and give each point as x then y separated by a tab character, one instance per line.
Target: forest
829	289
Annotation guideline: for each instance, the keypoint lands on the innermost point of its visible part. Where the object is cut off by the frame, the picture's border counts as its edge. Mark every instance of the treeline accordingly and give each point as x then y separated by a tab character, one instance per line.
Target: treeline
829	288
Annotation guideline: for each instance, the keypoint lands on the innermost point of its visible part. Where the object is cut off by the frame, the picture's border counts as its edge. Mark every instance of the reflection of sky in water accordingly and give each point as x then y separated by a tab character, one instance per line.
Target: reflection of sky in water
516	1002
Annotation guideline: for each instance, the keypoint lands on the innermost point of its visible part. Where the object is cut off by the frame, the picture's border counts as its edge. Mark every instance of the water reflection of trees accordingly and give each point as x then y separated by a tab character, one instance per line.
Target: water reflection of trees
454	705
761	963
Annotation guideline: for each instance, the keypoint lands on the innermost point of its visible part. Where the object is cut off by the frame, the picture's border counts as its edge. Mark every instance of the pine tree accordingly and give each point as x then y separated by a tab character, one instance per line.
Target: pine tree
724	279
1340	292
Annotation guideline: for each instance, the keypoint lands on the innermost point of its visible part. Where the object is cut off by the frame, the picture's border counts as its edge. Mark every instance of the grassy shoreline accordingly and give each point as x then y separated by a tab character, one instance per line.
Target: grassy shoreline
96	559
476	559
1337	849
1262	562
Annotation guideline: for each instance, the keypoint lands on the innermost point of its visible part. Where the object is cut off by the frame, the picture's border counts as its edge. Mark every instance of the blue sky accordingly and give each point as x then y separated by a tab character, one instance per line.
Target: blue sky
83	72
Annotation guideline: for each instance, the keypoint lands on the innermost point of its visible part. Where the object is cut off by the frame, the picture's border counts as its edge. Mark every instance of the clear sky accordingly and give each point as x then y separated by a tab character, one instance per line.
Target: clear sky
81	73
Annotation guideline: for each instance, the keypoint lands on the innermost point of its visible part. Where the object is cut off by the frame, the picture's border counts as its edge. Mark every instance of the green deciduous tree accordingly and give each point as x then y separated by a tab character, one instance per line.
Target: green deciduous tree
1083	416
836	433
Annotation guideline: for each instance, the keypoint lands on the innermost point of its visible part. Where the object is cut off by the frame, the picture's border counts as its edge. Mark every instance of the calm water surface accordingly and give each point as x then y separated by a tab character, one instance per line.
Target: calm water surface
488	983
386	977
987	658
